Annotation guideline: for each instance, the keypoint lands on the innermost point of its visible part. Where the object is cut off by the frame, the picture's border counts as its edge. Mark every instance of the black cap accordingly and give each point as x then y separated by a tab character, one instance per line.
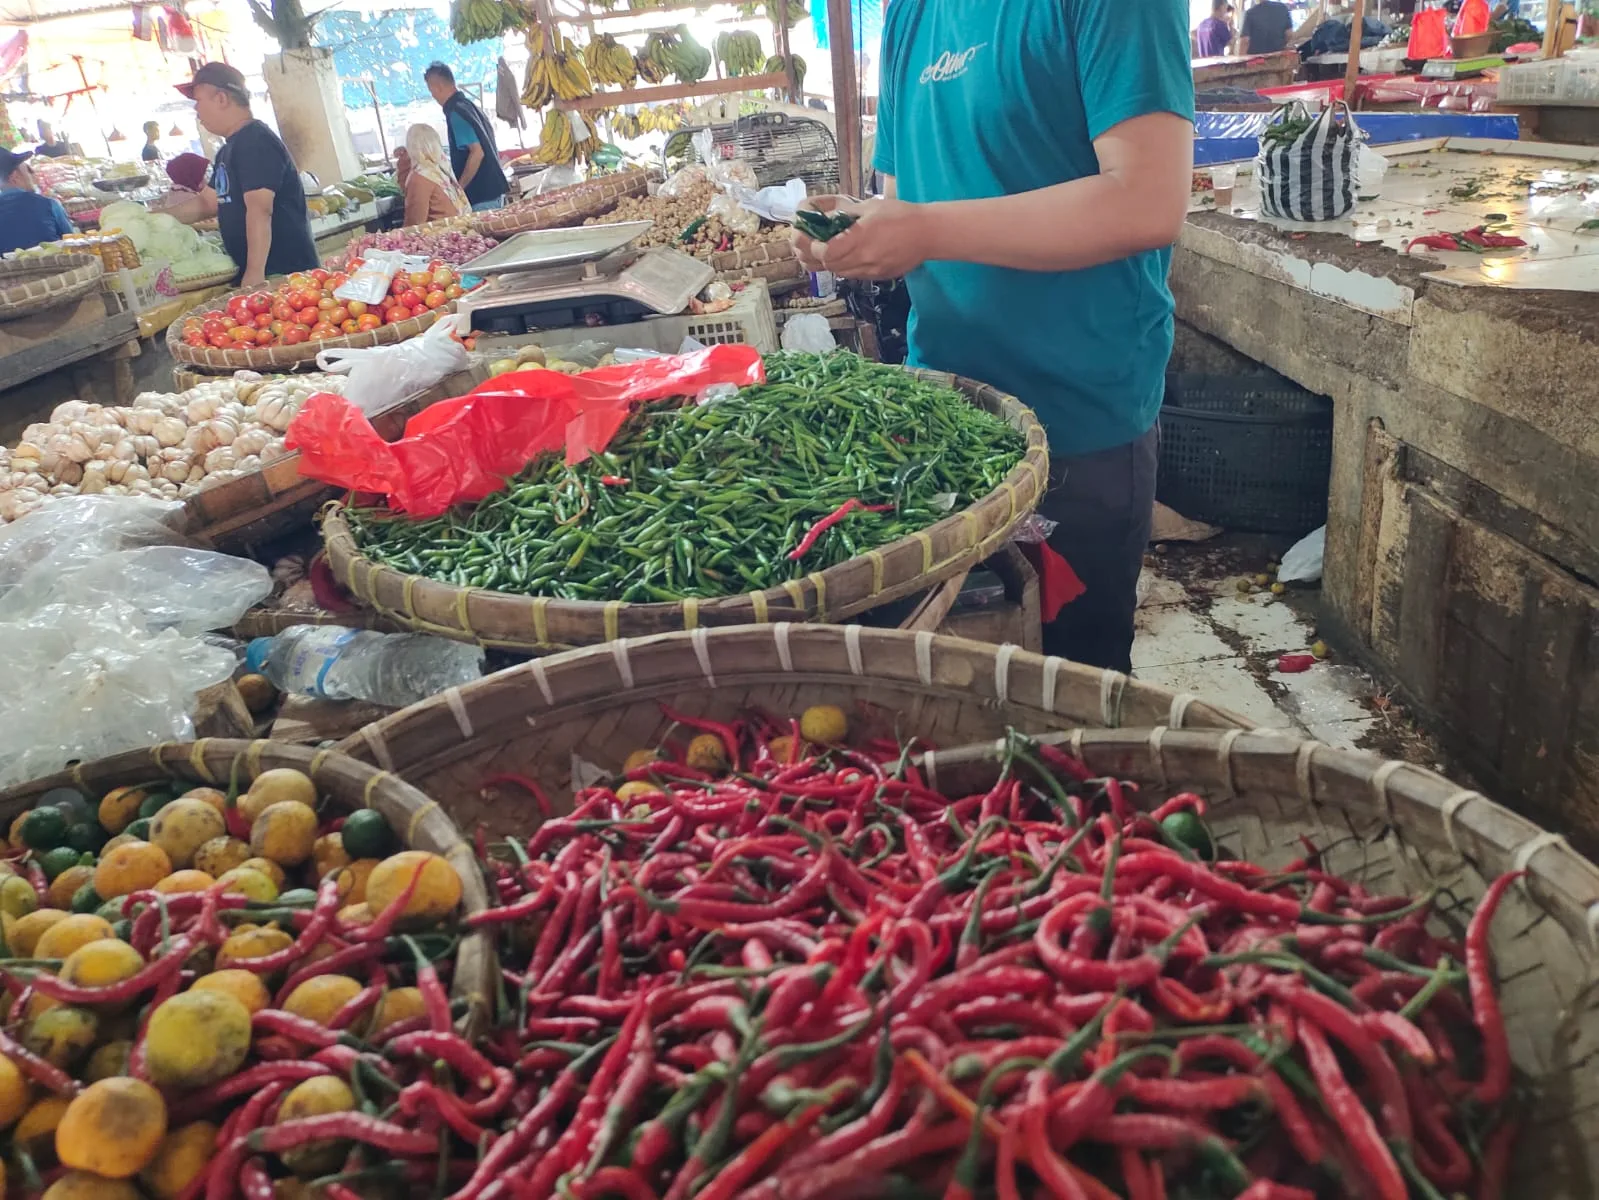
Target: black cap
10	160
219	75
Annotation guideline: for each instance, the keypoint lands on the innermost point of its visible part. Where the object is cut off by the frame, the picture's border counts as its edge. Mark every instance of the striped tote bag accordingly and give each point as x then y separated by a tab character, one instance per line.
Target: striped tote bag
1313	177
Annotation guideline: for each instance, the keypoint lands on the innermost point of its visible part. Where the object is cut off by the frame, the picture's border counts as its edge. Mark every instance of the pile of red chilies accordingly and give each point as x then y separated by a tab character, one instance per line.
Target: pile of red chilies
822	978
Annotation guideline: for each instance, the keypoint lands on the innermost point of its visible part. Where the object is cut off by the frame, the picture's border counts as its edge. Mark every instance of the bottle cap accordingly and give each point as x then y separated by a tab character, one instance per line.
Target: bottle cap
255	657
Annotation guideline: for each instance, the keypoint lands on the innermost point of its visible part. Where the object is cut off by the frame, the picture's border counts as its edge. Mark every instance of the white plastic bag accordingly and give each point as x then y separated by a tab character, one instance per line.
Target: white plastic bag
382	376
101	608
1370	167
370	283
809	332
1302	563
776	204
734	215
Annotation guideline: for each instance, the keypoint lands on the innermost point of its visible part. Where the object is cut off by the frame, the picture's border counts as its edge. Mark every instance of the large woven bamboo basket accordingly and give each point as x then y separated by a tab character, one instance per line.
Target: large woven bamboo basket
539	624
30	285
280	357
417	821
771	261
601	703
1398	828
564	207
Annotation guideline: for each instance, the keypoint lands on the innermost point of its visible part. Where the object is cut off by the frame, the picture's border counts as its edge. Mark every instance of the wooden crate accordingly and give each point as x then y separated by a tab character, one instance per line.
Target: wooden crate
1017	621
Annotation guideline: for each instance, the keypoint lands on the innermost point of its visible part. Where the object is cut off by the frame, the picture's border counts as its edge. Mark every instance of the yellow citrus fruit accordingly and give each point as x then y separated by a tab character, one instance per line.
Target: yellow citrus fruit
315	1098
356	914
318	998
637	791
274	787
86	1185
112	1128
352	880
62	938
109	1060
399	1004
64	1035
437	892
824	724
196	1038
36	1131
182	1155
328	854
101	963
244	986
184	881
65	886
17	897
131	867
285	832
13	1092
640	758
251	941
120	807
247	881
268	868
23	934
183	826
219	855
706	753
209	795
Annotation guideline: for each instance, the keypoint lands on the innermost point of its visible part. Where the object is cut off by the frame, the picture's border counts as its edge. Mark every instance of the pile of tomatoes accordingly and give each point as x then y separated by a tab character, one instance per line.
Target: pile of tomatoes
305	309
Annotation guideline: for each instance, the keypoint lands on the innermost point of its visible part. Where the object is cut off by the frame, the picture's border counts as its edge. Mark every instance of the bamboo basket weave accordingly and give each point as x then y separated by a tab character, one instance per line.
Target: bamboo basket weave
532	624
280	357
565	207
601	703
1399	828
418	822
28	285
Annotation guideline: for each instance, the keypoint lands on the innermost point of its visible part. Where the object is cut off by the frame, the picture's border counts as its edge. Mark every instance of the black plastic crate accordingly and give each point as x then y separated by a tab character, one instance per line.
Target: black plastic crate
1246	452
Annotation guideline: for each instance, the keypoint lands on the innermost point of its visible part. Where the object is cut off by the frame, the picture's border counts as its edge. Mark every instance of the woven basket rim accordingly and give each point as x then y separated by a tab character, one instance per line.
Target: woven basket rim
270	358
819	596
64	277
589	198
350	782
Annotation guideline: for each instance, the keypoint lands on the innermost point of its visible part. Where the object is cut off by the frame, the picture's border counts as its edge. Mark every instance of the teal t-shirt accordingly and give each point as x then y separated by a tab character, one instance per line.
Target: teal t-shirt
984	98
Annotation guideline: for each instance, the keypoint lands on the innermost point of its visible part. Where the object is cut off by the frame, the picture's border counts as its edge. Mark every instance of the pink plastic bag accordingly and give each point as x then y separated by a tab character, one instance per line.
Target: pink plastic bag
466	448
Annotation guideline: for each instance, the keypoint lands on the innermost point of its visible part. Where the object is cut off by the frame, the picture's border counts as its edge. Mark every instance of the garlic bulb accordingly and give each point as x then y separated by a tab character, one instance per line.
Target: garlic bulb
68	472
252	441
222	458
176	471
71	410
94	479
275	450
145	446
142	420
249	463
169	431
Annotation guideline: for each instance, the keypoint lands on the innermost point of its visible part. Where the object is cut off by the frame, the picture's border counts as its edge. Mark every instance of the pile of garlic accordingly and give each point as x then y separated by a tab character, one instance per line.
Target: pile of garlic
165	445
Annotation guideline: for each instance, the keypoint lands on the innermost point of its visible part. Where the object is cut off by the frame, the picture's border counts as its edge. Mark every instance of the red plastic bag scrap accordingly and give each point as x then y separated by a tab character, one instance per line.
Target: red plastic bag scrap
1474	18
1429	34
466	448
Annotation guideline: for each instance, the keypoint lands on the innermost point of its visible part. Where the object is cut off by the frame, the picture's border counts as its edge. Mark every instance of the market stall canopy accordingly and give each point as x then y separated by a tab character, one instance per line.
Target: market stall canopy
28	12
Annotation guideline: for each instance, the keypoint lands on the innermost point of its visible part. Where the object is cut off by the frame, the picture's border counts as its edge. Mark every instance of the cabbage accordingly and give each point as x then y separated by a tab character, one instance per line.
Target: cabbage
155	235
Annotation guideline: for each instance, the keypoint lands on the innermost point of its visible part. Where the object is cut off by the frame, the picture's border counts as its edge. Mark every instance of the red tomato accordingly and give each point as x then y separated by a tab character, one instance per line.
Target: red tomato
420	310
348	325
313	296
401	282
323	330
281	311
453	292
265	337
420	279
294	335
223	342
228	322
435	298
357	307
299	280
308	316
335	282
338	315
243	333
216	314
395	314
410	298
319	275
258	302
213	326
263	320
238	307
368	321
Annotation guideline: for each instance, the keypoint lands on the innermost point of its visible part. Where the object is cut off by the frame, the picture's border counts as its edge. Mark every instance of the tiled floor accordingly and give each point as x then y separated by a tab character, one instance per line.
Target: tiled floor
1542	193
1207	638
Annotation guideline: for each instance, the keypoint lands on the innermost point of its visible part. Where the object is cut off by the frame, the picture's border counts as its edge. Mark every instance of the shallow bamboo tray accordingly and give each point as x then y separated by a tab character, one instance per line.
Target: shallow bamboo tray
1399	828
418	822
564	207
29	285
533	624
601	703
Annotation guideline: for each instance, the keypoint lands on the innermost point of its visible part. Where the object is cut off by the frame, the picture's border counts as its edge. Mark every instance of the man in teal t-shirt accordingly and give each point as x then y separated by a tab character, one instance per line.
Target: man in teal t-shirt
1039	159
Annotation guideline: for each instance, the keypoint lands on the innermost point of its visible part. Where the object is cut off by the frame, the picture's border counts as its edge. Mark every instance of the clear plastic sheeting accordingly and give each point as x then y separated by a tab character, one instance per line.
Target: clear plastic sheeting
102	612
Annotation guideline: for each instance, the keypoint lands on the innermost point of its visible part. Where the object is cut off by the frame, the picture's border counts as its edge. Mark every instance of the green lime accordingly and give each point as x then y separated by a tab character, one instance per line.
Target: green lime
154	802
87	837
70	801
56	860
87	900
44	828
295	897
111	910
122	930
367	835
139	829
17	897
1187	829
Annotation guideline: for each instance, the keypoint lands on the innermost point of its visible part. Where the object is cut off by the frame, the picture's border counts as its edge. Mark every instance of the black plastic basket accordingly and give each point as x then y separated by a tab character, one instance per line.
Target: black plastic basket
1246	452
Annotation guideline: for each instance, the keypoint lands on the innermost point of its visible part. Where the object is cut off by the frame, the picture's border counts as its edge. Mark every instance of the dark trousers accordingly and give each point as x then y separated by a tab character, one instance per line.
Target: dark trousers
1104	503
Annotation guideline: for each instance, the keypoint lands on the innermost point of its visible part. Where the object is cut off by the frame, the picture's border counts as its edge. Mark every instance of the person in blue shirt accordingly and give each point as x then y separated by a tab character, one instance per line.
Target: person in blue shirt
26	218
474	157
1038	159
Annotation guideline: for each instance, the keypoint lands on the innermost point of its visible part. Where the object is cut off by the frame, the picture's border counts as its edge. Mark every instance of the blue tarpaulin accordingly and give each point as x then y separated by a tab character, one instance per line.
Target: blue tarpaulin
394	48
1234	136
867	16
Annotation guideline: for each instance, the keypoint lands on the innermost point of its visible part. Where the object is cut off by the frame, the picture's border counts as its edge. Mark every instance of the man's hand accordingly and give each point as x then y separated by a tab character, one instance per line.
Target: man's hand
886	242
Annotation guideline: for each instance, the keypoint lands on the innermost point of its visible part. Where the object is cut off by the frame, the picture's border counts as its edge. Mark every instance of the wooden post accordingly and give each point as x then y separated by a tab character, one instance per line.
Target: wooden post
1554	12
780	21
846	95
1352	72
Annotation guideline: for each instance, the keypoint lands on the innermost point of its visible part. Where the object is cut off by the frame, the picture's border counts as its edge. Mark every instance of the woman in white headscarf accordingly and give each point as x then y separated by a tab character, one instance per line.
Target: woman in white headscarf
431	192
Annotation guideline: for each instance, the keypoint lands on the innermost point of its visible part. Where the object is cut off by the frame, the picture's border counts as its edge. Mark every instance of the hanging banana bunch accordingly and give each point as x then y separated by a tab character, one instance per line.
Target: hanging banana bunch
570	76
610	62
656	61
557	146
538	86
626	126
478	20
691	62
776	65
740	53
555	71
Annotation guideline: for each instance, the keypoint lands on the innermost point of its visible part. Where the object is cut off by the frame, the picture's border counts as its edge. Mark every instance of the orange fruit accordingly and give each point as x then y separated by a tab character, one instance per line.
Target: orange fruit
182	1155
221	854
183	826
244	986
64	937
320	997
184	881
131	867
436	893
112	1128
285	832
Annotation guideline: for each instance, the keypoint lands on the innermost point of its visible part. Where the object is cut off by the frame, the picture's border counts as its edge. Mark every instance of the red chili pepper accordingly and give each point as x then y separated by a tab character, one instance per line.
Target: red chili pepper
616	1181
1376	1160
813	535
754	1156
616	481
355	1127
47	1075
530	786
1495	1082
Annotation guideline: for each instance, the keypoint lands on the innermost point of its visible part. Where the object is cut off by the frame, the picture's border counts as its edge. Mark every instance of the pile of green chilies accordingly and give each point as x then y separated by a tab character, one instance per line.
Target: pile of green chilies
711	500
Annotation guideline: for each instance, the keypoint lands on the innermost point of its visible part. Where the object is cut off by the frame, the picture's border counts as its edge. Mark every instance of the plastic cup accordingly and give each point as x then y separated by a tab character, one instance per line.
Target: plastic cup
1222	179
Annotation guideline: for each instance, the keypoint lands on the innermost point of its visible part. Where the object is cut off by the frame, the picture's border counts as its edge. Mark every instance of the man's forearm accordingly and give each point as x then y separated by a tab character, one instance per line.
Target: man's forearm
258	238
474	160
1067	227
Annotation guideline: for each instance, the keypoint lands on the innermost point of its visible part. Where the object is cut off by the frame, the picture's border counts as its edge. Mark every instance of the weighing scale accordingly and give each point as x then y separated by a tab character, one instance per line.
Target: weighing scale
592	275
1459	68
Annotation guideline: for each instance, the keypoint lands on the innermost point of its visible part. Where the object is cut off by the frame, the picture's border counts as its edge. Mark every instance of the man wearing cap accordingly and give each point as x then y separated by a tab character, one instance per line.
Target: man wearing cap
255	193
26	218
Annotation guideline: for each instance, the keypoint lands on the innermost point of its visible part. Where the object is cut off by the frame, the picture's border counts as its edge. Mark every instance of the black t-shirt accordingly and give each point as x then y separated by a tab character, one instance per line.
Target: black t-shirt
150	153
255	158
1267	27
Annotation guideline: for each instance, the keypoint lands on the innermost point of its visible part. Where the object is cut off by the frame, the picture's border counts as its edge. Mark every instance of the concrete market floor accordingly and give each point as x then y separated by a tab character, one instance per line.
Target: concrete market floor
1541	192
1196	632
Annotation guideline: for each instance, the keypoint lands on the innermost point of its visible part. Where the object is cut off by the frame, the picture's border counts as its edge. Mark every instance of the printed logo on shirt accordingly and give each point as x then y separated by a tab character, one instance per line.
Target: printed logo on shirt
219	182
951	66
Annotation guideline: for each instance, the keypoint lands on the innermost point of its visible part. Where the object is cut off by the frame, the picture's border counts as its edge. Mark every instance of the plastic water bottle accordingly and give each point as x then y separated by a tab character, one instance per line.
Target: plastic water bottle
390	669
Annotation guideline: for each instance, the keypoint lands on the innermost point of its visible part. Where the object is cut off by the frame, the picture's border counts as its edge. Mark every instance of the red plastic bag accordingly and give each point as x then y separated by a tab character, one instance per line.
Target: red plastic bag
1429	35
1473	18
465	448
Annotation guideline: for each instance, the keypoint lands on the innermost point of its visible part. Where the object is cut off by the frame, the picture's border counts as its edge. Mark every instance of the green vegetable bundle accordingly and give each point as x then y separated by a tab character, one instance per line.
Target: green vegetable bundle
823	227
713	500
